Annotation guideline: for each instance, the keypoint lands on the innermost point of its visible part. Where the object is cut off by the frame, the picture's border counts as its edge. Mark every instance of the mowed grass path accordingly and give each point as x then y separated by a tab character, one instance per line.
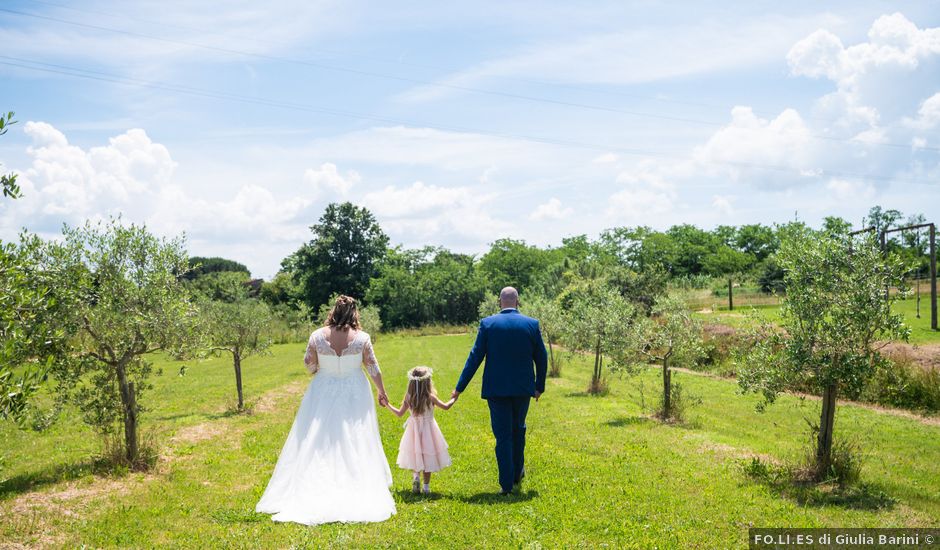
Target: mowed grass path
598	471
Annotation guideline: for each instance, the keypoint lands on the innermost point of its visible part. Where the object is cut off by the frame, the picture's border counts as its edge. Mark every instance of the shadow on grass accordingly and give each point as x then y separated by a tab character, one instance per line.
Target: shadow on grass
785	483
31	481
486	498
585	394
628	421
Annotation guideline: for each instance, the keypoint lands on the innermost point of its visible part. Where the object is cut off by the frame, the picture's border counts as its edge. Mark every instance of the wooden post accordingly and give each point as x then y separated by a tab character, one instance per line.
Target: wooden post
730	296
933	276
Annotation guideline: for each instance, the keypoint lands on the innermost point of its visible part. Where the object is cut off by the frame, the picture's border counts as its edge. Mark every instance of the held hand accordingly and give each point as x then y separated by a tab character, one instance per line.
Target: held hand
454	395
537	395
383	399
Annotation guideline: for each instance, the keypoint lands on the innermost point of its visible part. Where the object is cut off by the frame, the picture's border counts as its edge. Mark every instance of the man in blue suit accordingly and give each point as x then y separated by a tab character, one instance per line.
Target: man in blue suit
511	344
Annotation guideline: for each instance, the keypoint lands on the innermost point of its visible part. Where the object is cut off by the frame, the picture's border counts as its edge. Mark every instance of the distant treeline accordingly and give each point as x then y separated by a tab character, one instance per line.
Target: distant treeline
350	253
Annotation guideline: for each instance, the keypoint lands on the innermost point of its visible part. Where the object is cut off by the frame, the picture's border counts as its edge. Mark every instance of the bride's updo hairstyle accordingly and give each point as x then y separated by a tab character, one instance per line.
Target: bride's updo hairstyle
344	315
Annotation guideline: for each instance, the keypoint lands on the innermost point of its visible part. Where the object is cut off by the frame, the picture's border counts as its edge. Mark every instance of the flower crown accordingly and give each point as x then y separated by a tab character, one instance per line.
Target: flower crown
416	377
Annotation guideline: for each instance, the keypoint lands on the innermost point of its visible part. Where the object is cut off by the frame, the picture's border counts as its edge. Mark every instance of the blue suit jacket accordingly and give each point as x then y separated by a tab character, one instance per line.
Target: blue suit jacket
511	343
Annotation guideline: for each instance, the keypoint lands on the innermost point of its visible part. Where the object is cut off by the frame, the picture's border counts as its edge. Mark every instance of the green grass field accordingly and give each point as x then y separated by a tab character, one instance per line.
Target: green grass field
598	470
921	332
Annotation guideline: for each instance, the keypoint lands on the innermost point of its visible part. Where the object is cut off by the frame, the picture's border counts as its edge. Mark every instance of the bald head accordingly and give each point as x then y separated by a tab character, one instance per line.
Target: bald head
508	297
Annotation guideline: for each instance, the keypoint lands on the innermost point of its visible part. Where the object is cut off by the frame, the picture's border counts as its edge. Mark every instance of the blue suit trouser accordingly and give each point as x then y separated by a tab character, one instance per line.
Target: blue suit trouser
507	418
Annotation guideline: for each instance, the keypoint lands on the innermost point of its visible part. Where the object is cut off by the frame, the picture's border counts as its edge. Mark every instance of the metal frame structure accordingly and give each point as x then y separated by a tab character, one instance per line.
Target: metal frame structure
882	238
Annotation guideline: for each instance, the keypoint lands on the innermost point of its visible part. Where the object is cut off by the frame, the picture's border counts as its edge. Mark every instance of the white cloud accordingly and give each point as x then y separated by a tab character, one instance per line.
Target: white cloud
551	210
893	41
66	183
752	148
606	158
133	177
843	189
645	197
722	203
419	212
327	179
419	198
928	116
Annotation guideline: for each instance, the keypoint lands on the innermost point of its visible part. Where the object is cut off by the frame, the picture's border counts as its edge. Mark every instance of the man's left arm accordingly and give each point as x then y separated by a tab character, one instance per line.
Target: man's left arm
540	356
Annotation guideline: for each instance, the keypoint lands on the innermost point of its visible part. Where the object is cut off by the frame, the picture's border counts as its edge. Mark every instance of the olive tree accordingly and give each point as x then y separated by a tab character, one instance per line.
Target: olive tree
34	333
599	323
238	328
834	319
669	336
126	301
8	185
552	322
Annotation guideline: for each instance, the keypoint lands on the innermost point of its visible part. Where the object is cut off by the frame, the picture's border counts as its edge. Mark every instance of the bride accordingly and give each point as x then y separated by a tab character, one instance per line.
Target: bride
332	466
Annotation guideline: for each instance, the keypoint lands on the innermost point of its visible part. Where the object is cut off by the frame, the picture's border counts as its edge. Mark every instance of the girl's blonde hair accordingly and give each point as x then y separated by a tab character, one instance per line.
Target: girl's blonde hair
420	389
344	315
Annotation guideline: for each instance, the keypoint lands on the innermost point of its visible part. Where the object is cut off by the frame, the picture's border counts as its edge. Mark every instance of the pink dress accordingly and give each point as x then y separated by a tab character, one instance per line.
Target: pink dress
422	447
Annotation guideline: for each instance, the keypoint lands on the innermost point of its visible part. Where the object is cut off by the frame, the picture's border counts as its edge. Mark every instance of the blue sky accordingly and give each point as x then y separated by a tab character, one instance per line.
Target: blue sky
236	123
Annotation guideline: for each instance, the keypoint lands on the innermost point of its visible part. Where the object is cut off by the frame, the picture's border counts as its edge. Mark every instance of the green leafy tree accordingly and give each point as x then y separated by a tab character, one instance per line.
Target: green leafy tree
199	266
833	321
598	322
238	328
668	337
8	181
552	322
693	245
125	301
727	262
34	331
836	226
758	240
343	256
282	290
225	286
513	263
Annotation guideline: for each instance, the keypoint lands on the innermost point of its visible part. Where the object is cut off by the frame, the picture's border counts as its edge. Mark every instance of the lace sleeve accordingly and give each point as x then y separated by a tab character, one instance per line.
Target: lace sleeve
311	359
368	358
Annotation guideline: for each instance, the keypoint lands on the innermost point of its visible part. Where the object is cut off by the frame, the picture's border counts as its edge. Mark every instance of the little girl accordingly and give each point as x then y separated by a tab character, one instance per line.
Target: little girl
422	447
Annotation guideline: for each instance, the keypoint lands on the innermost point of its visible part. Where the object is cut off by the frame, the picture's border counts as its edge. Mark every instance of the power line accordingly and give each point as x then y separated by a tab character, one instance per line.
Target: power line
402	62
213	94
416	81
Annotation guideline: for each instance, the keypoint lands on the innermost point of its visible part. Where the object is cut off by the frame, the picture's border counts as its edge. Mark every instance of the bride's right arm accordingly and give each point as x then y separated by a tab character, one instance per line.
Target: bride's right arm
311	359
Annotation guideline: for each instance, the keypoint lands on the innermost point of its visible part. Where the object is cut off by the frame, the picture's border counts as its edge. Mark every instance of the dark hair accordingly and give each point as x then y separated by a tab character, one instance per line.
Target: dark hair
344	314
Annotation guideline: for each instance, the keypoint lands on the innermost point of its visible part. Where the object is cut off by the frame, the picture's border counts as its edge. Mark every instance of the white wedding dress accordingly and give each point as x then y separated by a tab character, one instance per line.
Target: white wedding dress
332	466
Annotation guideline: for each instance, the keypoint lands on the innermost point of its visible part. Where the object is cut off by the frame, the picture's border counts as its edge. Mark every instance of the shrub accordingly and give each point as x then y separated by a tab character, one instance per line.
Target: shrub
901	382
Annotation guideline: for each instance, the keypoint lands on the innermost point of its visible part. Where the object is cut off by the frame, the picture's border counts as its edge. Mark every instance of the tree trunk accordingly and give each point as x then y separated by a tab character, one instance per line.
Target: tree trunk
596	376
826	423
667	389
730	295
551	357
237	359
129	413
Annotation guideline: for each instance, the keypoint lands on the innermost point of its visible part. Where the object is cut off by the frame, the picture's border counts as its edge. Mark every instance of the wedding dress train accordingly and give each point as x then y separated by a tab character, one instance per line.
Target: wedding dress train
332	466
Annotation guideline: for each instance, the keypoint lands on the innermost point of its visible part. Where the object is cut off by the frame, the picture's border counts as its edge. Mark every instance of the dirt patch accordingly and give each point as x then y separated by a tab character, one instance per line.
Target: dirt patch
735	453
71	499
199	432
268	402
718	330
926	356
